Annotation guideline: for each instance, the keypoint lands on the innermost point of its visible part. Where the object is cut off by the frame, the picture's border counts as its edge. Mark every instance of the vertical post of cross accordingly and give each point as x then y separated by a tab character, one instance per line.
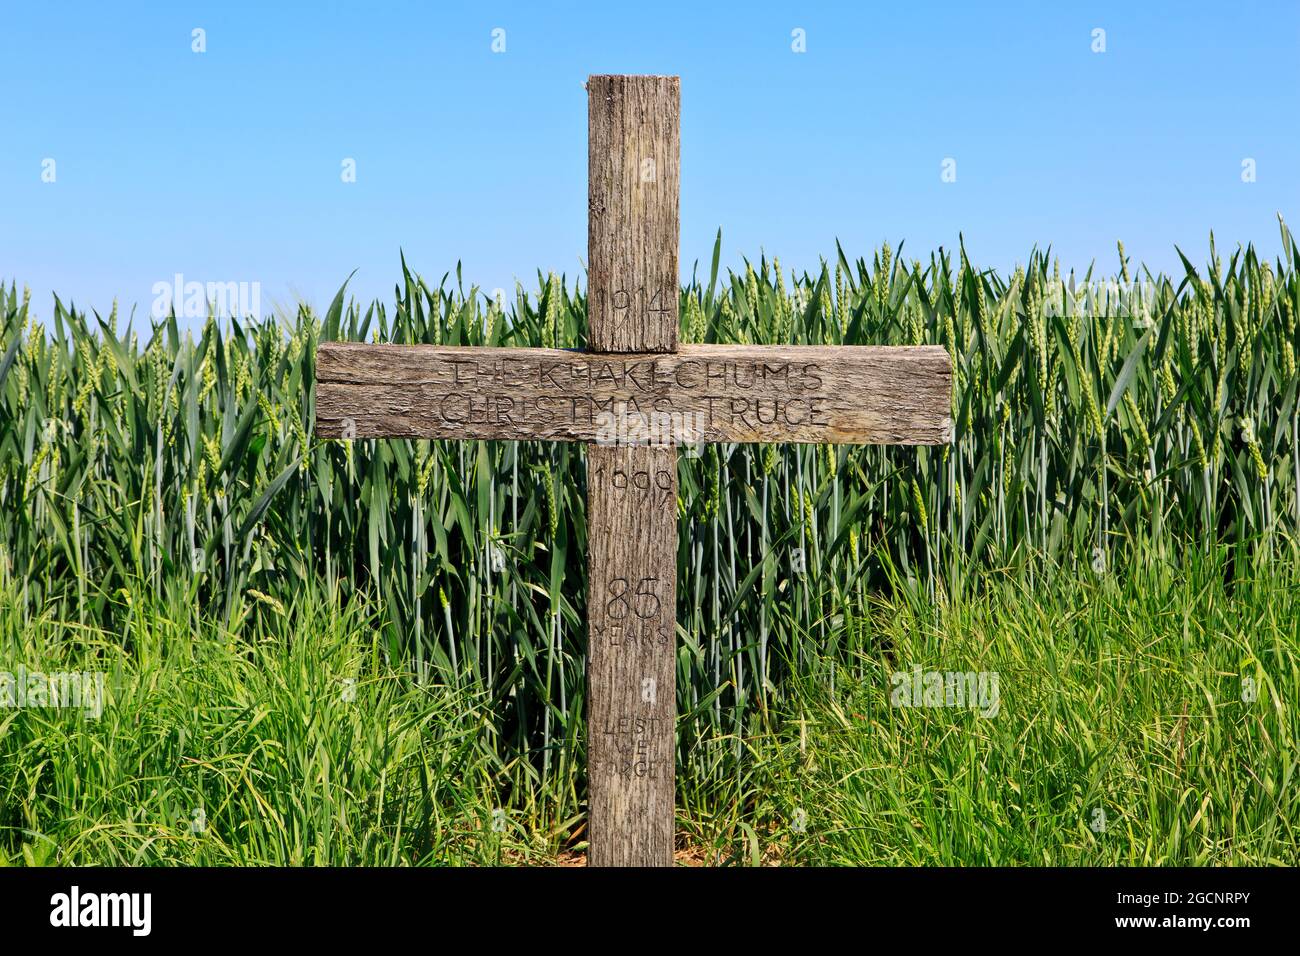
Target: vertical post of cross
632	305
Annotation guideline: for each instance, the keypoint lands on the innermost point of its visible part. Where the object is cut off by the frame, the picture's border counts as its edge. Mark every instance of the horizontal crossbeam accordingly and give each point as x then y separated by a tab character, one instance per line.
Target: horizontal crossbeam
701	393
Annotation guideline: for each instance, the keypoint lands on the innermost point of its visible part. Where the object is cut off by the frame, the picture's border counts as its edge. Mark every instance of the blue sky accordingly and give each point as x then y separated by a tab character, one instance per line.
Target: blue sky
225	165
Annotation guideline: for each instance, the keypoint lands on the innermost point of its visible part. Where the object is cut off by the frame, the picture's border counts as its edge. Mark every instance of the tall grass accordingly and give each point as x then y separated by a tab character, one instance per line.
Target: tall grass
287	743
140	459
1145	717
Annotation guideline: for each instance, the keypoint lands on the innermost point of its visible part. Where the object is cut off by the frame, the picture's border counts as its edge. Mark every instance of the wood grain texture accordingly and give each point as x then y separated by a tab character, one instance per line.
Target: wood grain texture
737	393
631	673
633	169
632	234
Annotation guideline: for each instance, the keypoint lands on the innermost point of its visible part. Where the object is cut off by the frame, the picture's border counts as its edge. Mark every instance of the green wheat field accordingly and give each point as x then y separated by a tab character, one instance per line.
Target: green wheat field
354	653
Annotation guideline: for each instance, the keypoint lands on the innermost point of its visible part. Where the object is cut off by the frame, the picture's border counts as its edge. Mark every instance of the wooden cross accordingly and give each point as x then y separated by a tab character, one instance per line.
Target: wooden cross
634	397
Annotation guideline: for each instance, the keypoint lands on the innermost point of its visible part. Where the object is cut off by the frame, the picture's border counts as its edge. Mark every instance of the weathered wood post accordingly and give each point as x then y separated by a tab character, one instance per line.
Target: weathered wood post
632	296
